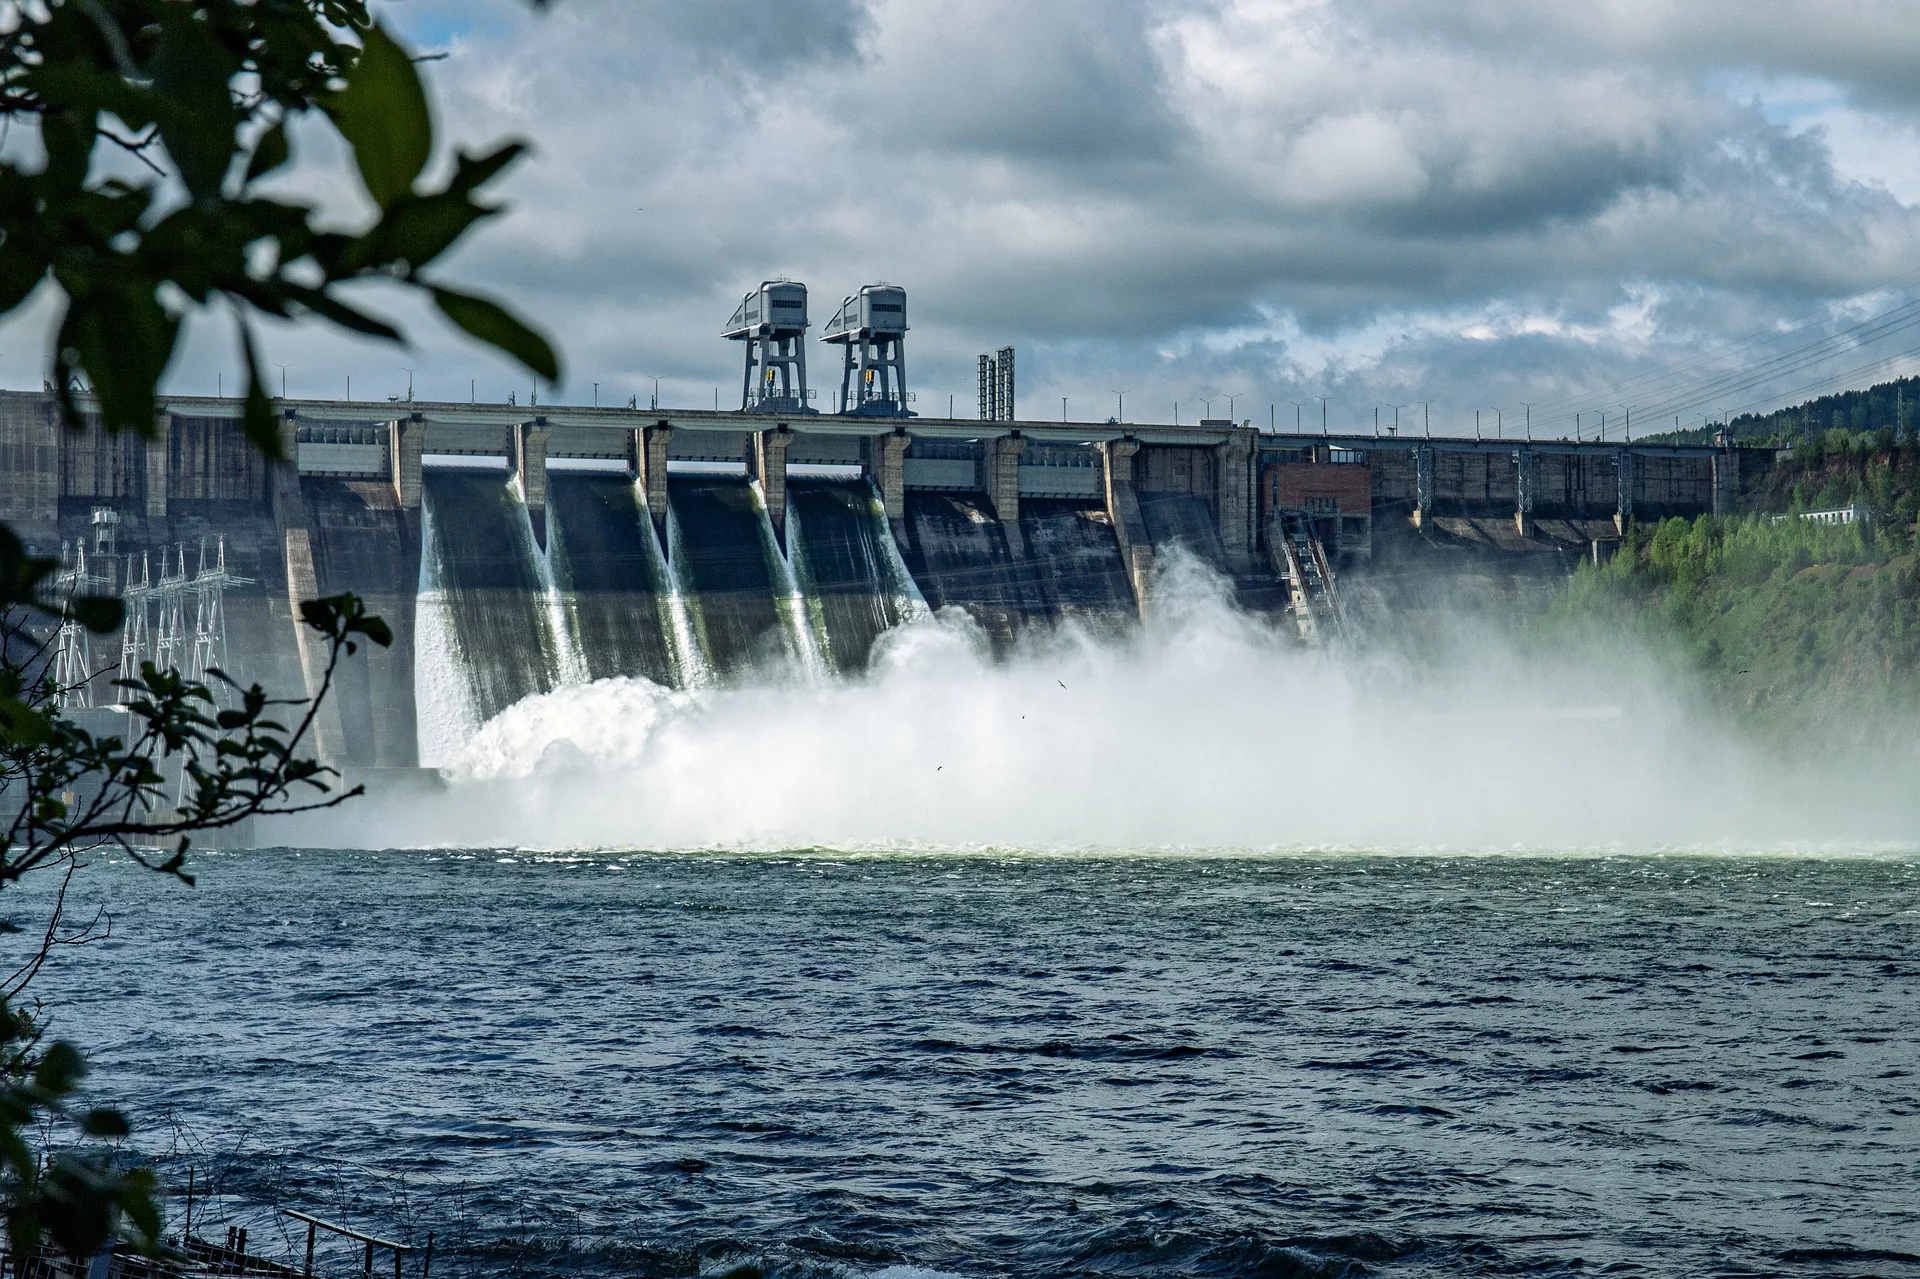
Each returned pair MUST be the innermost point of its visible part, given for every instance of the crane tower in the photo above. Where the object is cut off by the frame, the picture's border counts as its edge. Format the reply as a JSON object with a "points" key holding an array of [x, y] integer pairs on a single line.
{"points": [[772, 321], [872, 326]]}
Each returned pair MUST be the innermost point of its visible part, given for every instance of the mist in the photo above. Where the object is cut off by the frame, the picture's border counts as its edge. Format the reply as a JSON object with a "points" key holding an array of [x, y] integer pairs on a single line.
{"points": [[1205, 728]]}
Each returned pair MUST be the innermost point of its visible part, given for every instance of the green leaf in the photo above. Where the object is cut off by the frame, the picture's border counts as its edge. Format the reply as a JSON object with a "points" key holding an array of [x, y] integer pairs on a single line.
{"points": [[270, 152], [257, 419], [122, 338], [374, 629], [105, 1123], [498, 327], [382, 113], [98, 613]]}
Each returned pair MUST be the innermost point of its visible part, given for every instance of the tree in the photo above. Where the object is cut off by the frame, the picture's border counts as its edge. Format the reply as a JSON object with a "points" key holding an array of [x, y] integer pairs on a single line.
{"points": [[162, 125]]}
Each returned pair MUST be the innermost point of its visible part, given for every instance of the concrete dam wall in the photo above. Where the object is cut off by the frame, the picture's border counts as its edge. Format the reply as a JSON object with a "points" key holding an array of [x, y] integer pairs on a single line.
{"points": [[514, 554]]}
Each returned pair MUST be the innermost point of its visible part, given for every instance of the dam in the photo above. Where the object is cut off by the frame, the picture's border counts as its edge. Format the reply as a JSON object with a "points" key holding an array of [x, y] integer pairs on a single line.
{"points": [[514, 550]]}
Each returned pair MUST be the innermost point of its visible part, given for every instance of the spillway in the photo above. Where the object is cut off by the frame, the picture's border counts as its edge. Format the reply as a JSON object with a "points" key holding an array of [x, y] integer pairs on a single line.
{"points": [[958, 554], [613, 586], [722, 554], [361, 541], [848, 572], [481, 567], [1078, 559], [1186, 521]]}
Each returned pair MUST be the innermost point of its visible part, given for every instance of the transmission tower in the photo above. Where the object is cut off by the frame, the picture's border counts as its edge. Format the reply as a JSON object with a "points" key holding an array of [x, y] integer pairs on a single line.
{"points": [[210, 619], [136, 599]]}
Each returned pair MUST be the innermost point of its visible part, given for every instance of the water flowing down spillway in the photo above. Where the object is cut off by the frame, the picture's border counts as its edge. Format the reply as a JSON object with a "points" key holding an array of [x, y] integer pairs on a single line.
{"points": [[1078, 558], [612, 582], [959, 556], [481, 567], [1182, 519], [849, 572], [722, 555]]}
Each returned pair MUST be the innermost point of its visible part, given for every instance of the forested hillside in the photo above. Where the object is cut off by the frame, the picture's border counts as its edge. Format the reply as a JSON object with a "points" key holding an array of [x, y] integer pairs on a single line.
{"points": [[1800, 625]]}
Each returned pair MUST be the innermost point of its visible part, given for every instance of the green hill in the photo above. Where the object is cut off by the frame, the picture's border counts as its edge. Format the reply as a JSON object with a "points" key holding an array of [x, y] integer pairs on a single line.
{"points": [[1801, 626]]}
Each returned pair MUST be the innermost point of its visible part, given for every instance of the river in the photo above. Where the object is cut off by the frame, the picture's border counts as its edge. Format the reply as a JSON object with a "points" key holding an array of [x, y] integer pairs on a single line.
{"points": [[814, 1063]]}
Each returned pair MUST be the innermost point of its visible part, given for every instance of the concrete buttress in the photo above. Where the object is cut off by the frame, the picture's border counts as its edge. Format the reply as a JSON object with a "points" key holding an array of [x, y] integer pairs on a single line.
{"points": [[1123, 511], [405, 438], [1234, 501], [1003, 486], [530, 464], [767, 462], [329, 739], [887, 461]]}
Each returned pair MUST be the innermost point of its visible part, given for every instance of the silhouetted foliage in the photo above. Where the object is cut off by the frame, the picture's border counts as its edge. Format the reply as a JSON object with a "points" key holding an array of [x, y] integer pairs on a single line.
{"points": [[162, 130]]}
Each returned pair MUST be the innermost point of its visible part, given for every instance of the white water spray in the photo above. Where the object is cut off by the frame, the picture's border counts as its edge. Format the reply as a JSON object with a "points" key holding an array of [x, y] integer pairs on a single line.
{"points": [[689, 663], [696, 671], [788, 598], [1205, 728], [443, 701]]}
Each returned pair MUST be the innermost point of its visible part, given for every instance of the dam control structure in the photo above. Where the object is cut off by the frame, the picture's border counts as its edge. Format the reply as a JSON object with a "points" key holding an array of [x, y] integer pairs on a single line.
{"points": [[515, 550]]}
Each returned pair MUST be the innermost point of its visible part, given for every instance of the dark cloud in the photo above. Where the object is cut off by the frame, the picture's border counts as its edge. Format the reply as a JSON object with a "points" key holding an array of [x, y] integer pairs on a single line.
{"points": [[1385, 200]]}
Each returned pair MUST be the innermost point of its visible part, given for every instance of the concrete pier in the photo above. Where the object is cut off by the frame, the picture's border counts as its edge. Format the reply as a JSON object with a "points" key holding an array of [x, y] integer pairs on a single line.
{"points": [[405, 440], [887, 464], [530, 465], [1123, 511], [767, 462], [1003, 486]]}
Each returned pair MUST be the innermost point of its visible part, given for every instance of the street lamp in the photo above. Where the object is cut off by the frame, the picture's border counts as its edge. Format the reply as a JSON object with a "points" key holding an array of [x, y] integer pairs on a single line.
{"points": [[1629, 422], [1426, 415], [1499, 426], [1529, 409], [1297, 405], [1396, 417], [1323, 411], [1230, 399], [1123, 405], [283, 380]]}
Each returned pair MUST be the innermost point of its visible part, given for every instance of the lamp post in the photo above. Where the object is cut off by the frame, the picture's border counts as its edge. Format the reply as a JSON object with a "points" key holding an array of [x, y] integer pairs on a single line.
{"points": [[1123, 405], [1297, 406], [283, 380], [1426, 415], [1323, 411], [1396, 418], [1230, 399], [1529, 409], [1499, 426], [1629, 422]]}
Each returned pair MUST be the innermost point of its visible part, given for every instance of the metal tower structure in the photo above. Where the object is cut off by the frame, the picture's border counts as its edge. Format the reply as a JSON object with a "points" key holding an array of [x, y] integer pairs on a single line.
{"points": [[210, 619], [155, 625], [996, 386], [72, 647], [72, 668], [872, 326], [136, 598], [772, 321]]}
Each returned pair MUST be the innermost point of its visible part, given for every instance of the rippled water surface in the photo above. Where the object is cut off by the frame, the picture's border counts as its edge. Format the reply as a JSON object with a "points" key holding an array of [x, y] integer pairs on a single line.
{"points": [[817, 1064]]}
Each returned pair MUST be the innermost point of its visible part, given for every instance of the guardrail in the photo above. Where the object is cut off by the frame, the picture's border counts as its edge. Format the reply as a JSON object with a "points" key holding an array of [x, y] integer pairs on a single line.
{"points": [[399, 1250]]}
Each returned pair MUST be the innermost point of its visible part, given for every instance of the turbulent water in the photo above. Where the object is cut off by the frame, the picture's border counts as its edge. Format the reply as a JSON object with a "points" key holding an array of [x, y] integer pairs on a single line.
{"points": [[819, 1064]]}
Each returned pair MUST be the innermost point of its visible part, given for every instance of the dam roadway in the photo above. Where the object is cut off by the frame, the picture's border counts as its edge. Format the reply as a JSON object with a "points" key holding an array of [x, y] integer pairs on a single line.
{"points": [[518, 549]]}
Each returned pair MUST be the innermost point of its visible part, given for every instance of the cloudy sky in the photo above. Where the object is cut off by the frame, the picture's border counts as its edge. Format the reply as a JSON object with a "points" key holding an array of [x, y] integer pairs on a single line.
{"points": [[1476, 204]]}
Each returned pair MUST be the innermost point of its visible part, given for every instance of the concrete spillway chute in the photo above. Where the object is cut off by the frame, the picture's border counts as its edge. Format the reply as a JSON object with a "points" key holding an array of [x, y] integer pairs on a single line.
{"points": [[872, 326], [772, 321]]}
